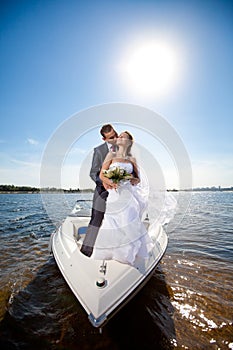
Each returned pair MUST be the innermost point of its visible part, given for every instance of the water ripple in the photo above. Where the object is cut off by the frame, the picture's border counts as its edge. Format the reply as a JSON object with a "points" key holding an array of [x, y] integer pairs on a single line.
{"points": [[187, 304]]}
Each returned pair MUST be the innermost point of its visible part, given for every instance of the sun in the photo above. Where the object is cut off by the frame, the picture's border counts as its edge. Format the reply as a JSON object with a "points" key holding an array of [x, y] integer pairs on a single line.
{"points": [[150, 69]]}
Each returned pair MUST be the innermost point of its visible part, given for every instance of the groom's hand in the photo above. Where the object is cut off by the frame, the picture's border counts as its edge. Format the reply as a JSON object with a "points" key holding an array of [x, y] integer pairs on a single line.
{"points": [[134, 181], [109, 186]]}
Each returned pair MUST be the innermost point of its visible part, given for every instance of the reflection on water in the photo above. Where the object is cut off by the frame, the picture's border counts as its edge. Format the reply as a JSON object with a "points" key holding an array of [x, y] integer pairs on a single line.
{"points": [[187, 304], [47, 315], [201, 294]]}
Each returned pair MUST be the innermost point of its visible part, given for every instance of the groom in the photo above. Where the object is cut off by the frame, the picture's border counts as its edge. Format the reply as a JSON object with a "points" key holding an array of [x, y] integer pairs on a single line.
{"points": [[109, 135]]}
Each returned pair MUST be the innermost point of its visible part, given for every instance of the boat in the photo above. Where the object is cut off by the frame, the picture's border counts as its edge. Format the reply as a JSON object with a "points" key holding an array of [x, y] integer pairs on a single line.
{"points": [[101, 286]]}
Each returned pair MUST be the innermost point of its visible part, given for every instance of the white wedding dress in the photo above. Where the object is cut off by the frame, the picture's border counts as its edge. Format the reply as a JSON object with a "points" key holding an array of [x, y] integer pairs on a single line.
{"points": [[122, 235]]}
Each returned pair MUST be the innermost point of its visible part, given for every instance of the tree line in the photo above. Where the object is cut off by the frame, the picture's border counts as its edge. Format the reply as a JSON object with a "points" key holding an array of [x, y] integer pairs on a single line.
{"points": [[26, 189], [13, 188]]}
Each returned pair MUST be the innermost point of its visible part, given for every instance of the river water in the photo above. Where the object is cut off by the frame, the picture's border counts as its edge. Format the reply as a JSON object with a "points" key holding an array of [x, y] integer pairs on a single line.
{"points": [[187, 304]]}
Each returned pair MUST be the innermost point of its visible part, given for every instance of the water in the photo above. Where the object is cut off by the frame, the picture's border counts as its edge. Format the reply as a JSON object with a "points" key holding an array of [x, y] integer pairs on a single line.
{"points": [[187, 304]]}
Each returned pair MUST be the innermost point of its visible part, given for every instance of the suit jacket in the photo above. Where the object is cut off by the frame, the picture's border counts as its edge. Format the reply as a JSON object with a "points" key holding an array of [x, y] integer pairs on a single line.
{"points": [[99, 155]]}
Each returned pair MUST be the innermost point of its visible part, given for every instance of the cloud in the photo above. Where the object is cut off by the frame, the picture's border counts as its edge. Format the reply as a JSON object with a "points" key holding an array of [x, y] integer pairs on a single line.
{"points": [[32, 141], [24, 163], [77, 151]]}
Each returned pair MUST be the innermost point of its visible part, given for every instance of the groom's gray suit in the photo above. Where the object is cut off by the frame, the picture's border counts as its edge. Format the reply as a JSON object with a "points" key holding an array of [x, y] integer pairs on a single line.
{"points": [[99, 199], [99, 155]]}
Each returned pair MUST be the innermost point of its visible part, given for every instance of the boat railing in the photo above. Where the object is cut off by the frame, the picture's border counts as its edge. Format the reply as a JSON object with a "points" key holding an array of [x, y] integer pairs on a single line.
{"points": [[82, 208]]}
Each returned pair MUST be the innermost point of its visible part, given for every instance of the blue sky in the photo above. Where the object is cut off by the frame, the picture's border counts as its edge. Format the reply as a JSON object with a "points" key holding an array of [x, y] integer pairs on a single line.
{"points": [[60, 57]]}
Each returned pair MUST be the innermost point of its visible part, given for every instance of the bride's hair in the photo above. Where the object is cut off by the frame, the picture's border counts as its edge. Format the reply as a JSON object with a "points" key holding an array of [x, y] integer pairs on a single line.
{"points": [[128, 151]]}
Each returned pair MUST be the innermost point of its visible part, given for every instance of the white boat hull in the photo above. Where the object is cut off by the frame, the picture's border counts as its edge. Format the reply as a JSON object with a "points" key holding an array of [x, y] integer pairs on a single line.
{"points": [[101, 287]]}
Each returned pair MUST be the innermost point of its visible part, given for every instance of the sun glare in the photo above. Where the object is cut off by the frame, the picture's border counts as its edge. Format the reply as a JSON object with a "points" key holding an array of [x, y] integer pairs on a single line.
{"points": [[150, 69]]}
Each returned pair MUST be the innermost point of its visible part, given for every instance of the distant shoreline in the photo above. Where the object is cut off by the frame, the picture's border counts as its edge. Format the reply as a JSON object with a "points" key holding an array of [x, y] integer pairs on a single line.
{"points": [[11, 189], [40, 192], [8, 189], [204, 189], [45, 192]]}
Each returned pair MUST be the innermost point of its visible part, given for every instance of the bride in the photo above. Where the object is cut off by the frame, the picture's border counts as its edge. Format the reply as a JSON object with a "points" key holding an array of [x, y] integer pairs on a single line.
{"points": [[123, 236]]}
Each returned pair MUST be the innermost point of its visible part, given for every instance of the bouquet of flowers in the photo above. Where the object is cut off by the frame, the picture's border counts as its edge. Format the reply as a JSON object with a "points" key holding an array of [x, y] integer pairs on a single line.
{"points": [[117, 174]]}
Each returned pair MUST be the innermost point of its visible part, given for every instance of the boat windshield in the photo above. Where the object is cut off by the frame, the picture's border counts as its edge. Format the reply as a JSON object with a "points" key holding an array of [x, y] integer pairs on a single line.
{"points": [[82, 208]]}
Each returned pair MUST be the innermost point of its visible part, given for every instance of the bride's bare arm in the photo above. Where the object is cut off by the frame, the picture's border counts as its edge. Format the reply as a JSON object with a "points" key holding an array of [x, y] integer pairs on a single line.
{"points": [[135, 179]]}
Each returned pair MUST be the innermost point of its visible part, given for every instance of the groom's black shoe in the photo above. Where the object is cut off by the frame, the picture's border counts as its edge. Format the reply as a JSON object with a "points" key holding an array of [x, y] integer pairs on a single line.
{"points": [[86, 250]]}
